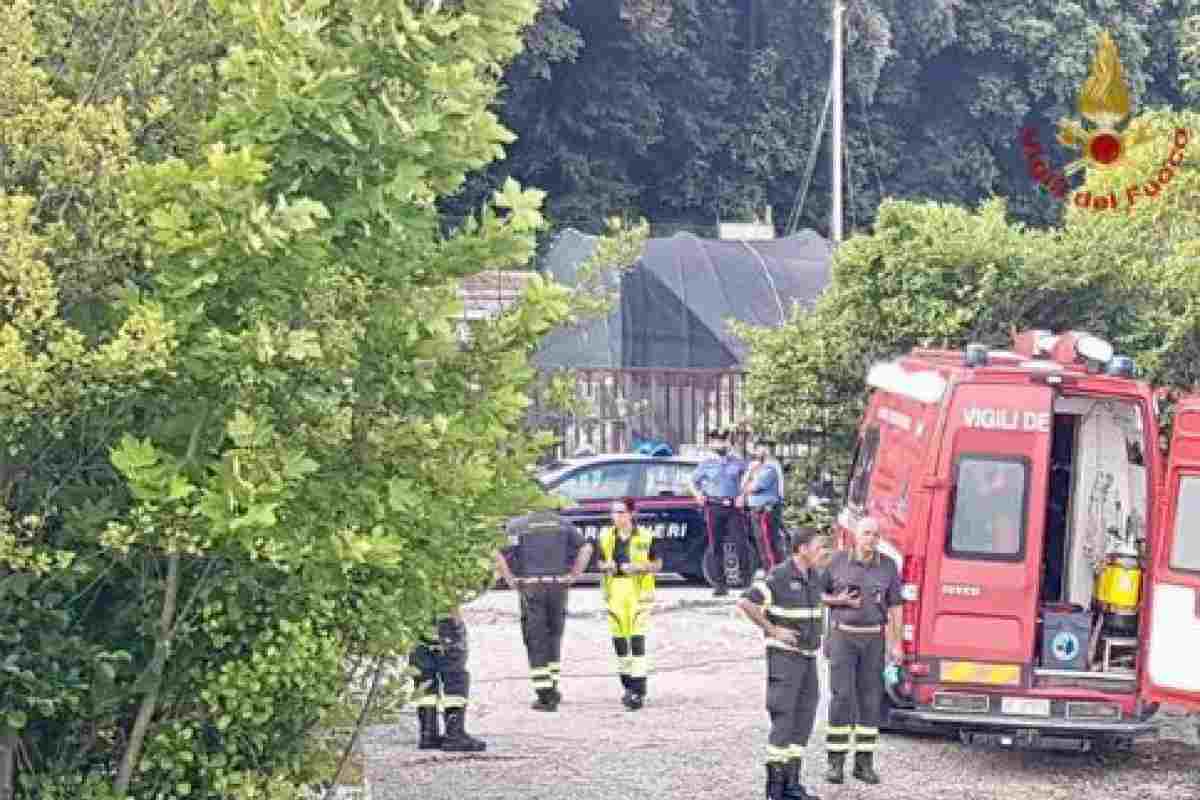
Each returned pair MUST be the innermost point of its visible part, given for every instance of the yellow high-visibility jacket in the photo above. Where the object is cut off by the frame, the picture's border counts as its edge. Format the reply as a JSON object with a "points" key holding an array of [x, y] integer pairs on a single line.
{"points": [[639, 553]]}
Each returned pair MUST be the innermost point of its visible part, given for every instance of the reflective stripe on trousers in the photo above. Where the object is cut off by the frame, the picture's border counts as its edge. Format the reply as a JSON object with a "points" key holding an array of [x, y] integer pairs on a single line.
{"points": [[855, 681], [543, 620], [793, 691]]}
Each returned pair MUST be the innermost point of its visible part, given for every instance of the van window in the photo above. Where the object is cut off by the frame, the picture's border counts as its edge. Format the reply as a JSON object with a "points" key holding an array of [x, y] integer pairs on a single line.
{"points": [[1185, 552], [989, 508], [864, 465]]}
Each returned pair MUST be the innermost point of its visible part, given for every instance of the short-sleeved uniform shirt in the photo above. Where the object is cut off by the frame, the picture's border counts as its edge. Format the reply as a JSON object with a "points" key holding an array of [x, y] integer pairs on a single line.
{"points": [[877, 579], [541, 544], [720, 477]]}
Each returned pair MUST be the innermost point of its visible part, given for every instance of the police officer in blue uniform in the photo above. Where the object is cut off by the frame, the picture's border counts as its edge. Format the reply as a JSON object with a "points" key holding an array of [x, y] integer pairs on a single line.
{"points": [[718, 482], [762, 495], [542, 546]]}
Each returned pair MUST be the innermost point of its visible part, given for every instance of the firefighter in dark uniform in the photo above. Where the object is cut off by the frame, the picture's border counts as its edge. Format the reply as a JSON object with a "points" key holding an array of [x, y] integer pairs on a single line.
{"points": [[443, 682], [542, 547], [786, 604], [862, 590], [718, 483]]}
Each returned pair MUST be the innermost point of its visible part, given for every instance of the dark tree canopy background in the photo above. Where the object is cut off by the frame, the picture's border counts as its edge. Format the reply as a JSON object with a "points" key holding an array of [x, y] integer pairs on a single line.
{"points": [[686, 110]]}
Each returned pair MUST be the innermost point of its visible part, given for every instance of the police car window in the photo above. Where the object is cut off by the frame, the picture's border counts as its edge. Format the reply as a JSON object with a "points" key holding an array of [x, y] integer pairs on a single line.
{"points": [[603, 481], [989, 508], [670, 479], [864, 465], [1185, 550]]}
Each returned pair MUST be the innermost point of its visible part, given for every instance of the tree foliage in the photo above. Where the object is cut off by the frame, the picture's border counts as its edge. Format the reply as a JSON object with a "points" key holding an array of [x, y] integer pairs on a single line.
{"points": [[934, 274], [713, 109], [245, 442]]}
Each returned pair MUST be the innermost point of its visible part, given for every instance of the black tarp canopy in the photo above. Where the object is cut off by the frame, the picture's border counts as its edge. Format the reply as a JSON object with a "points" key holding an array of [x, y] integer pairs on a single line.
{"points": [[674, 303]]}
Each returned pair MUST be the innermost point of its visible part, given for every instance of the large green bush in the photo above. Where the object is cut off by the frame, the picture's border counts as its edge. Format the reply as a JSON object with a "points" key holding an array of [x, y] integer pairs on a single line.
{"points": [[931, 274], [245, 447]]}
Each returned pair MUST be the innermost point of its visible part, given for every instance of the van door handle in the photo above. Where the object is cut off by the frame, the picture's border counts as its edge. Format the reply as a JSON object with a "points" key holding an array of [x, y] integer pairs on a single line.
{"points": [[936, 483]]}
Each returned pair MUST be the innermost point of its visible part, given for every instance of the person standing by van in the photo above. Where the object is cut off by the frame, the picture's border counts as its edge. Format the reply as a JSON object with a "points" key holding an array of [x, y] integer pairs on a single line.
{"points": [[762, 494], [862, 590], [718, 483], [787, 607]]}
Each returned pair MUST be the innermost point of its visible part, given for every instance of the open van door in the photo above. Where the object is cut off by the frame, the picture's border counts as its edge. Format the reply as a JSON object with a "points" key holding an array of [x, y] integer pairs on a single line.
{"points": [[980, 599], [1174, 577]]}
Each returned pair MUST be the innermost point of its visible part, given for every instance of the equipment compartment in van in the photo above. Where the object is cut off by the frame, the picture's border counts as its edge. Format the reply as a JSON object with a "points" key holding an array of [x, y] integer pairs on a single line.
{"points": [[1095, 536]]}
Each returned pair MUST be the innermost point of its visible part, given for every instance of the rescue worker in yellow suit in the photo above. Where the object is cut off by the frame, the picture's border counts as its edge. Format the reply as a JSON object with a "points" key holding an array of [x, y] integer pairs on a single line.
{"points": [[629, 560]]}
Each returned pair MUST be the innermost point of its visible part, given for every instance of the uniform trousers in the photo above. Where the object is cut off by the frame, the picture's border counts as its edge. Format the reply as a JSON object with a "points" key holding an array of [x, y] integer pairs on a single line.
{"points": [[543, 620], [725, 523], [629, 622], [443, 681], [856, 663], [793, 692], [767, 523]]}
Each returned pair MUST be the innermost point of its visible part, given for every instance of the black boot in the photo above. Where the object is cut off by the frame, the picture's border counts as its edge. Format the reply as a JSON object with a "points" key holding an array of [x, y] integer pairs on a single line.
{"points": [[547, 700], [627, 695], [427, 722], [864, 768], [837, 768], [720, 590], [636, 696], [776, 781], [457, 740], [793, 789]]}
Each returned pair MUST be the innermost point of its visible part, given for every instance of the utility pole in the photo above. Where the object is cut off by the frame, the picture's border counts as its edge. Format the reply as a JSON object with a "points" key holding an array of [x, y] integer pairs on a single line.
{"points": [[835, 82]]}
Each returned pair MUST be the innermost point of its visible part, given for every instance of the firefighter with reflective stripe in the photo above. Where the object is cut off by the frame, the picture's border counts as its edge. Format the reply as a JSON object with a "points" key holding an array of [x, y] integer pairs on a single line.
{"points": [[787, 606], [762, 494], [542, 546], [862, 590], [629, 560], [443, 682]]}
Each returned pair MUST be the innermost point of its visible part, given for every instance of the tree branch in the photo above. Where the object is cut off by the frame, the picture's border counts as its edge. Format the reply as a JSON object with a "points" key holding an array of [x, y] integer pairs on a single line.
{"points": [[8, 762], [162, 648], [362, 718]]}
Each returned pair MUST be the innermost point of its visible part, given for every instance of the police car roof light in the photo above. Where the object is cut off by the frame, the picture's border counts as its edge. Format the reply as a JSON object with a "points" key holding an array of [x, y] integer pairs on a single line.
{"points": [[1120, 367], [976, 355]]}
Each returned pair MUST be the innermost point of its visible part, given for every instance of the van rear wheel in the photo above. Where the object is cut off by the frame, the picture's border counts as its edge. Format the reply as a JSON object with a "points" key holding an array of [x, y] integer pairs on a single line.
{"points": [[1113, 744]]}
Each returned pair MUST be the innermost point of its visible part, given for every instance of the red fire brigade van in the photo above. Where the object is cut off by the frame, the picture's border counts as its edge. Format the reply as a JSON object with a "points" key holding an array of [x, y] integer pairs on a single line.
{"points": [[1047, 537]]}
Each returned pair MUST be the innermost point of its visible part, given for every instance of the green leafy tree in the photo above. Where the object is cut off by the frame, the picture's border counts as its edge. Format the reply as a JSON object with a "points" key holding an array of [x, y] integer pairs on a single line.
{"points": [[713, 109], [248, 442], [932, 274]]}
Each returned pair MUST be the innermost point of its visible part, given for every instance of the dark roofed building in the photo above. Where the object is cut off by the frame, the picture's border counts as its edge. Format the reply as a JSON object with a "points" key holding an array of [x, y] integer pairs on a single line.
{"points": [[675, 302]]}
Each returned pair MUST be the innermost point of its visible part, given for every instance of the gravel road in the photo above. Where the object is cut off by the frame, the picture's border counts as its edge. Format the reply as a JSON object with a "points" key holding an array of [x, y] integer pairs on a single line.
{"points": [[702, 734]]}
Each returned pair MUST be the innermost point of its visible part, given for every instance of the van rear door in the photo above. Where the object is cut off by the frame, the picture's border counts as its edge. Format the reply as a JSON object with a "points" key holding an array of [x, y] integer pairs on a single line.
{"points": [[1173, 628], [980, 595]]}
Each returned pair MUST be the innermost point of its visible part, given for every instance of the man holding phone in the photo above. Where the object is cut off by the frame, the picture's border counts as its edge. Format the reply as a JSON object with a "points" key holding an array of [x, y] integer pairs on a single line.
{"points": [[862, 590]]}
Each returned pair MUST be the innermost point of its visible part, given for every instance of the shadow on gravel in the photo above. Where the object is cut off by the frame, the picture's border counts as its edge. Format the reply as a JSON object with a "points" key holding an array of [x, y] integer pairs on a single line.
{"points": [[1163, 755]]}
